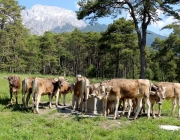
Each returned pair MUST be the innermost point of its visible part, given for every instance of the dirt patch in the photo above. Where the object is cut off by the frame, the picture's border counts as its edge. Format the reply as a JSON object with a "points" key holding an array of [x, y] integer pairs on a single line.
{"points": [[107, 125]]}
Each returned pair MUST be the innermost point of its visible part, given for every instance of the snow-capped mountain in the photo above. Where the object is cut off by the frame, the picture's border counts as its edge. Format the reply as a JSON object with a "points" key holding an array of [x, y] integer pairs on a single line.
{"points": [[46, 18]]}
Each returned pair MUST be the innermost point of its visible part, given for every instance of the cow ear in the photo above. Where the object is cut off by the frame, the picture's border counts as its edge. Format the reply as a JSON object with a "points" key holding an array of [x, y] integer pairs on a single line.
{"points": [[56, 79], [152, 92]]}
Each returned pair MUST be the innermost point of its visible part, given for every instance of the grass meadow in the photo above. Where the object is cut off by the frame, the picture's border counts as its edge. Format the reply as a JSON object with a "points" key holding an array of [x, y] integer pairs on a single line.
{"points": [[52, 124]]}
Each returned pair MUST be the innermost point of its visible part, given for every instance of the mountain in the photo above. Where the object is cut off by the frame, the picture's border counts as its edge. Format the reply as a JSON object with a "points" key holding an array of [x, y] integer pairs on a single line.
{"points": [[50, 18], [44, 18], [95, 28], [151, 36]]}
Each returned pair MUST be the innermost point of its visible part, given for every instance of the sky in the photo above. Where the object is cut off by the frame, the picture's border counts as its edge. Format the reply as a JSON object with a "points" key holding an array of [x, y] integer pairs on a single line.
{"points": [[72, 5]]}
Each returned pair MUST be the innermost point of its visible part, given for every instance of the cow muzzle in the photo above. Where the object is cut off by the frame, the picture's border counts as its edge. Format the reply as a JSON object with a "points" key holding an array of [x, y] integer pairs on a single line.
{"points": [[93, 95], [99, 97], [14, 90], [160, 103]]}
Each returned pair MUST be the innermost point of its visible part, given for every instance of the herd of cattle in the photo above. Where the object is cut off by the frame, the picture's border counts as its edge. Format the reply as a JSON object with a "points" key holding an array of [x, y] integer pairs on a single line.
{"points": [[134, 94]]}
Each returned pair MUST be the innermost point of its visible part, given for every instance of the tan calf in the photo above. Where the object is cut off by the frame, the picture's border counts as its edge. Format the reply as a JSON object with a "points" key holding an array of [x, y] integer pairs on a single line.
{"points": [[45, 86], [172, 92], [81, 93]]}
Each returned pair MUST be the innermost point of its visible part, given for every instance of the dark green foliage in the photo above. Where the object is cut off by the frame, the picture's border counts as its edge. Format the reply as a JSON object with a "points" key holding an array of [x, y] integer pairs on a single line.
{"points": [[108, 54], [141, 12], [119, 40]]}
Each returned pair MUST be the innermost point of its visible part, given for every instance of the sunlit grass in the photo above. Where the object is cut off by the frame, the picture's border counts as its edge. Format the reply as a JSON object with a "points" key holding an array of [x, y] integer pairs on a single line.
{"points": [[16, 123]]}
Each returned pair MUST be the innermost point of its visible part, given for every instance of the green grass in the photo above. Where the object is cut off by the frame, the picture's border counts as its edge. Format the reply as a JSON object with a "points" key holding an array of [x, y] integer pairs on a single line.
{"points": [[19, 124]]}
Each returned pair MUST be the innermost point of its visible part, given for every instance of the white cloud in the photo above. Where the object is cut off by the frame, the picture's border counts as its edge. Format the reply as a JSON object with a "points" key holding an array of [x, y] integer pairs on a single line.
{"points": [[164, 22]]}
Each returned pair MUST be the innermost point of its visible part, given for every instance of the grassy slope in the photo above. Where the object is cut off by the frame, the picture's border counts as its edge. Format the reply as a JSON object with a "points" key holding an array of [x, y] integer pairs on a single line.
{"points": [[16, 123]]}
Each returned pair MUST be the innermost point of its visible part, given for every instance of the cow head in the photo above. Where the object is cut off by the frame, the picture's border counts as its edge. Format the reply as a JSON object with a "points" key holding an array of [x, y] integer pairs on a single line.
{"points": [[79, 78], [71, 87], [101, 91], [14, 83], [158, 91]]}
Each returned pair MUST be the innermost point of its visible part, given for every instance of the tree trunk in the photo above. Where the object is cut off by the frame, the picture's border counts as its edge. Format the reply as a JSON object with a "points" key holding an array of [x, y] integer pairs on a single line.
{"points": [[142, 43], [142, 62]]}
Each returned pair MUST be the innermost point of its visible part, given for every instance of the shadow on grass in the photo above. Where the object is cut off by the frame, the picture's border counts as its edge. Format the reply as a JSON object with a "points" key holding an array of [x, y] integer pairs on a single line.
{"points": [[4, 101]]}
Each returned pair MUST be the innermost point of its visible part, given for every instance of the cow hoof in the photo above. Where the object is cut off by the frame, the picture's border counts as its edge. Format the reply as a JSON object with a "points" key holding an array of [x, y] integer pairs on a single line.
{"points": [[35, 112], [135, 118], [154, 117], [114, 118]]}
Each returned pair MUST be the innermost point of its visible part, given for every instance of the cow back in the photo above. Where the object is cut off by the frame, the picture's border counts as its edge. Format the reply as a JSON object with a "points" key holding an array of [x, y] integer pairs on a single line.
{"points": [[124, 88]]}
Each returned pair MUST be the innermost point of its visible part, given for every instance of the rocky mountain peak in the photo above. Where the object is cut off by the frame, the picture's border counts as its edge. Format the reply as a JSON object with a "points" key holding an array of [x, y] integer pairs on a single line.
{"points": [[45, 18]]}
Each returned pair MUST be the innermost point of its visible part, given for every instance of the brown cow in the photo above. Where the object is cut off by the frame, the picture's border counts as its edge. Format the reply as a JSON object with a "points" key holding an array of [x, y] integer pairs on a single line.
{"points": [[129, 89], [45, 86], [26, 88], [157, 97], [172, 92], [81, 93], [14, 86], [65, 89]]}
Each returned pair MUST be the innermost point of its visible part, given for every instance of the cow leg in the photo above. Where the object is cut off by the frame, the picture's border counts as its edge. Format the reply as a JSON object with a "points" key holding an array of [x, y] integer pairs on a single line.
{"points": [[116, 107], [79, 103], [152, 108], [33, 101], [37, 103], [124, 106], [59, 99], [73, 102], [64, 95], [143, 106], [85, 103], [134, 105], [85, 100], [178, 101], [159, 110], [104, 106], [147, 101], [27, 99], [130, 107], [139, 105], [50, 100], [23, 99], [16, 96], [173, 105], [81, 100]]}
